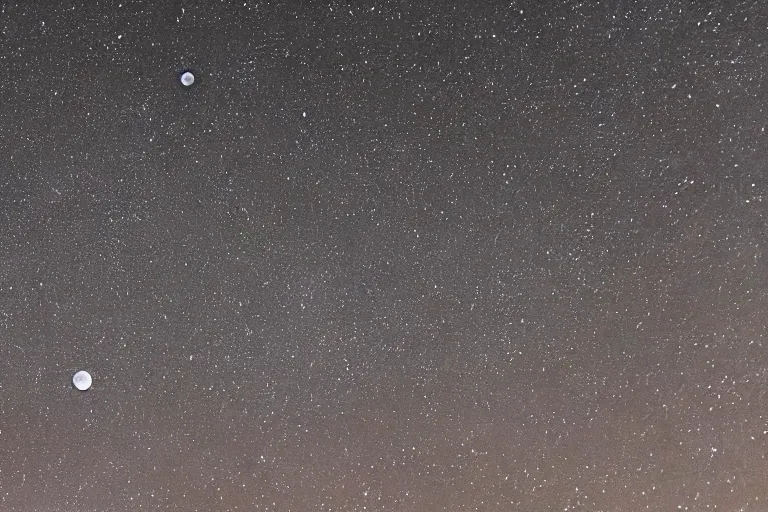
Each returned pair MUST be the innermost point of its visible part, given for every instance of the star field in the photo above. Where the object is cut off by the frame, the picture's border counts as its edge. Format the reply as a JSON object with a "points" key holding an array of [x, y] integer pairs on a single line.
{"points": [[388, 256]]}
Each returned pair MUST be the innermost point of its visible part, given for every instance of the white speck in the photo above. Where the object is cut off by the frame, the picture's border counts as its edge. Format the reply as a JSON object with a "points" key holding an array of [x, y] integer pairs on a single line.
{"points": [[674, 85], [304, 114], [82, 380], [187, 79], [120, 36]]}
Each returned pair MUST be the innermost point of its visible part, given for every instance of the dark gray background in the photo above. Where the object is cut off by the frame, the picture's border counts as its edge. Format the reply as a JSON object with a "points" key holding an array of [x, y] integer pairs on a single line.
{"points": [[384, 257]]}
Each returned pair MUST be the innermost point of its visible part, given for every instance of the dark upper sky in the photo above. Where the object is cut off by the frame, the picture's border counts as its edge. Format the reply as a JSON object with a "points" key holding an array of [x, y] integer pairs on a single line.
{"points": [[450, 257]]}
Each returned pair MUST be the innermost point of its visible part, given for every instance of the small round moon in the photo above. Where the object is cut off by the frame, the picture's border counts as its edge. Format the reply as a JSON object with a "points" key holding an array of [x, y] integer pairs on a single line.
{"points": [[82, 380], [187, 79]]}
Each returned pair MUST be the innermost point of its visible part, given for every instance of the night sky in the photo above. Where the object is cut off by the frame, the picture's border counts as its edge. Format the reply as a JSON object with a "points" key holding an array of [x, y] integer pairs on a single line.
{"points": [[384, 257]]}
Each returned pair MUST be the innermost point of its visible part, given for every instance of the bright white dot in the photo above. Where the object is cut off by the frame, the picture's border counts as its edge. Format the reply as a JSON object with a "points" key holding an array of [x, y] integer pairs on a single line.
{"points": [[82, 380], [187, 79]]}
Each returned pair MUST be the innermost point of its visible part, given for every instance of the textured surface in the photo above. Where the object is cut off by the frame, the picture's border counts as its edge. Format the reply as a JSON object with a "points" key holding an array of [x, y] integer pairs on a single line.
{"points": [[390, 258]]}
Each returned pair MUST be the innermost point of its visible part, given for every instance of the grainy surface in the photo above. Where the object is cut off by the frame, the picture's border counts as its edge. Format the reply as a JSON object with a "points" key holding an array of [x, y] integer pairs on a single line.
{"points": [[479, 256]]}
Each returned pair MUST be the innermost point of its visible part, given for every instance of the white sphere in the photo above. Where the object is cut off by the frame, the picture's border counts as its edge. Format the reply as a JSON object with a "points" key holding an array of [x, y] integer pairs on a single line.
{"points": [[187, 79], [82, 380]]}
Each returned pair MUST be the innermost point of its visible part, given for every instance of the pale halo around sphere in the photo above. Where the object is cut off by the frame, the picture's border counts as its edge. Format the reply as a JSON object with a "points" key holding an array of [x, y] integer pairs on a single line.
{"points": [[187, 79], [82, 380]]}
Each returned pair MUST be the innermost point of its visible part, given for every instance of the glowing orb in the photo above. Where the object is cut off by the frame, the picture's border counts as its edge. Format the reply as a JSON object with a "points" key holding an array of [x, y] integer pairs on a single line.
{"points": [[82, 380], [187, 79]]}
